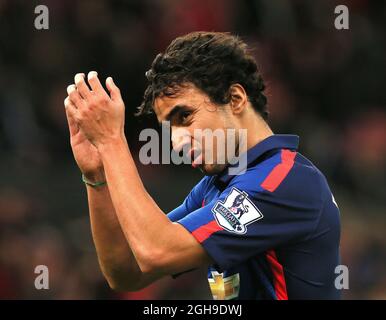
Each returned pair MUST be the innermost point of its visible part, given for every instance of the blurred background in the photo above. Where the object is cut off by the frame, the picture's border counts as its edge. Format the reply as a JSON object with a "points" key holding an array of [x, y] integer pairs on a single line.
{"points": [[326, 85]]}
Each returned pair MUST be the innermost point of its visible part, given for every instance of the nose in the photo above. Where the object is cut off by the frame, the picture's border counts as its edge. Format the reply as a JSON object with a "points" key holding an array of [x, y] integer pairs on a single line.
{"points": [[180, 137]]}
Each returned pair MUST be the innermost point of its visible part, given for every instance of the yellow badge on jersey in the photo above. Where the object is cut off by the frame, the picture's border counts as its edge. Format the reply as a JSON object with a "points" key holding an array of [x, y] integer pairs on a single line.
{"points": [[224, 288]]}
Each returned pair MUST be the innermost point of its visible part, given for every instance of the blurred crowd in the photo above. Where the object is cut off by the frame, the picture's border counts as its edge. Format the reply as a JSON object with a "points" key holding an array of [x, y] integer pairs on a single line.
{"points": [[324, 84]]}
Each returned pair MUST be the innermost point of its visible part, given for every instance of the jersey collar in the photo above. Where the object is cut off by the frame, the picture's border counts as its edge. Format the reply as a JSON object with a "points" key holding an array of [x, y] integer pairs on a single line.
{"points": [[276, 141]]}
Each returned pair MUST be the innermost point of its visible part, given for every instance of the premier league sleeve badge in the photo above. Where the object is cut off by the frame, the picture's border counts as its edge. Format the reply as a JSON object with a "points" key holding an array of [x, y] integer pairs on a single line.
{"points": [[236, 211]]}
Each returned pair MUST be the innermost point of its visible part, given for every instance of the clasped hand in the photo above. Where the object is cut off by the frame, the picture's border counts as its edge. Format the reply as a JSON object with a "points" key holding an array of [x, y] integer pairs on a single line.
{"points": [[99, 115]]}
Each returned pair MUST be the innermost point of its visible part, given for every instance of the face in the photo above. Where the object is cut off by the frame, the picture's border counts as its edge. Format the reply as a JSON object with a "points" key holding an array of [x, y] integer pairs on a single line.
{"points": [[189, 112]]}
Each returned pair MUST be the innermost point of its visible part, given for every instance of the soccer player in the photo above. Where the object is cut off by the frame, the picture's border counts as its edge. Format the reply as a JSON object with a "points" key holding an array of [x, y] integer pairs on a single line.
{"points": [[271, 232]]}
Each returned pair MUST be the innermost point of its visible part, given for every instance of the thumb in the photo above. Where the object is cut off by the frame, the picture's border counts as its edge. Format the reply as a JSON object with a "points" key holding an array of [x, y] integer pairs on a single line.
{"points": [[115, 93], [72, 124]]}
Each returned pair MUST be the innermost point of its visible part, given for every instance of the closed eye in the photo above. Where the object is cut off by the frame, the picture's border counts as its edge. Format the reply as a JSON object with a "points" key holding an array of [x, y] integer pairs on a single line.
{"points": [[180, 115], [185, 116]]}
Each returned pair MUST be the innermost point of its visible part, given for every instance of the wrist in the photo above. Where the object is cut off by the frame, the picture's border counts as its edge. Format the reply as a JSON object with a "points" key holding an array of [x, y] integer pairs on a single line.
{"points": [[111, 145], [93, 184], [94, 177]]}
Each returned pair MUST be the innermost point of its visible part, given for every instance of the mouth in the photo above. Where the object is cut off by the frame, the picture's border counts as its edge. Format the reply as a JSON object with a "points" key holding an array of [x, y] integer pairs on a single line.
{"points": [[196, 157]]}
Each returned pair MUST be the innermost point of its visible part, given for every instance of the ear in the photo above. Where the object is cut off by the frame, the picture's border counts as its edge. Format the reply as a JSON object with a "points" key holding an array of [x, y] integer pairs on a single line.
{"points": [[239, 98]]}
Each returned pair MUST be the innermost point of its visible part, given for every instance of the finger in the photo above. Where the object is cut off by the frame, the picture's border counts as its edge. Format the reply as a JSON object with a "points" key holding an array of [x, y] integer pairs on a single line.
{"points": [[82, 86], [115, 93], [94, 82], [70, 114], [74, 96]]}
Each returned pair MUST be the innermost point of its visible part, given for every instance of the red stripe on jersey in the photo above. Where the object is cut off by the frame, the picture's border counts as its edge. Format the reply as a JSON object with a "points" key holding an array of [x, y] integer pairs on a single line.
{"points": [[278, 276], [205, 231], [280, 171]]}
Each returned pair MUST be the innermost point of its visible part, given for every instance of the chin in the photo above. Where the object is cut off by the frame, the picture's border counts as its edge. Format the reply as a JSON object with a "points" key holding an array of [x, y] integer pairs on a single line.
{"points": [[212, 169]]}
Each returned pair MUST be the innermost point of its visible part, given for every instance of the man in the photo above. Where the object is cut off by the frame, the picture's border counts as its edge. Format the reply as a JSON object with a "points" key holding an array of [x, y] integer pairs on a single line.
{"points": [[271, 232]]}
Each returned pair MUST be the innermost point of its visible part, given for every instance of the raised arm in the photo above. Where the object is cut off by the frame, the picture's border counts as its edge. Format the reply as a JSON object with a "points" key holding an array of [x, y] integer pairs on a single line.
{"points": [[114, 254], [159, 246]]}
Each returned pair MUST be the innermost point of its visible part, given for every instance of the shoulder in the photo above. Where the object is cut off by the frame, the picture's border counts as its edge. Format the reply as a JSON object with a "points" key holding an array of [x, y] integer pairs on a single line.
{"points": [[285, 177]]}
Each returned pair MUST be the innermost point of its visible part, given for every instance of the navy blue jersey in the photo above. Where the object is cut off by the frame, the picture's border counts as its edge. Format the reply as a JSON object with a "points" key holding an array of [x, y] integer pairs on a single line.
{"points": [[273, 231]]}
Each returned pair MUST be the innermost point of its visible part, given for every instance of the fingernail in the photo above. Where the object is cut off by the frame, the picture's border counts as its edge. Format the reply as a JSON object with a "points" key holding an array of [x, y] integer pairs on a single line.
{"points": [[92, 73], [78, 76]]}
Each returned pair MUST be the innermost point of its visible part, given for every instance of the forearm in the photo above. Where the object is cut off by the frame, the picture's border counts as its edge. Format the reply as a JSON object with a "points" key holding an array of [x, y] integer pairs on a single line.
{"points": [[146, 227], [160, 246], [114, 254]]}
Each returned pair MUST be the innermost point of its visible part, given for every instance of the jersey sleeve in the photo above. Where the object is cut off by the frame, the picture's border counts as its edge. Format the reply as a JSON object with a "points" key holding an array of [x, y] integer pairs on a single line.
{"points": [[192, 202], [245, 221]]}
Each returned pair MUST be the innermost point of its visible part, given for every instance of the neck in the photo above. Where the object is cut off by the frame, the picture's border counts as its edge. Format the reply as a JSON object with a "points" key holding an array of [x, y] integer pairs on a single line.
{"points": [[257, 130]]}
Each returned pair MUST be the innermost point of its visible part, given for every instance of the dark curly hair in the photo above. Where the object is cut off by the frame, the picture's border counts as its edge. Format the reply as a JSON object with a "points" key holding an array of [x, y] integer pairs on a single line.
{"points": [[212, 61]]}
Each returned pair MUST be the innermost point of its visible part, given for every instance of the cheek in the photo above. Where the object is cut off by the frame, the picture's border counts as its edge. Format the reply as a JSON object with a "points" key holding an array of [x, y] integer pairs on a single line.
{"points": [[206, 120], [210, 121]]}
